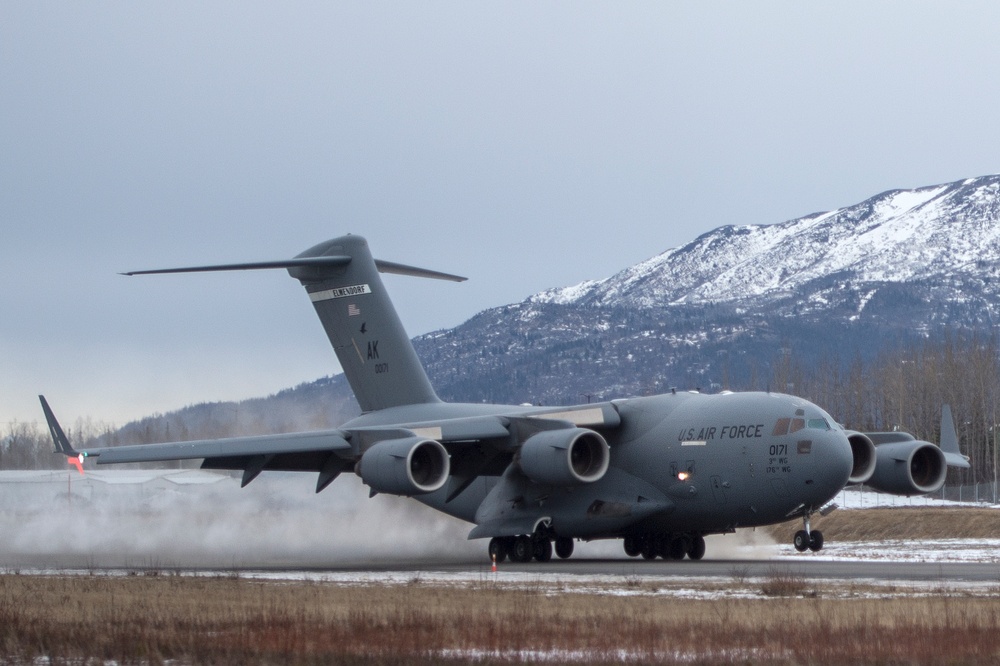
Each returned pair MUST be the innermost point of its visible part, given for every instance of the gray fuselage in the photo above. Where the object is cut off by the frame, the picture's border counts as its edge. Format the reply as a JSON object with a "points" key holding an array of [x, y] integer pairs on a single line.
{"points": [[680, 462]]}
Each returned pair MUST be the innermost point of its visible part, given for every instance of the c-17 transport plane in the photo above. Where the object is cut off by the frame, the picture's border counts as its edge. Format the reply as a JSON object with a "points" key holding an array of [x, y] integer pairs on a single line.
{"points": [[658, 472]]}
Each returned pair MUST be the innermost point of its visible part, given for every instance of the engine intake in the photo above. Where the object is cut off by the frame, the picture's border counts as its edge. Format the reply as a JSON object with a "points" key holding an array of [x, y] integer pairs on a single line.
{"points": [[863, 452], [908, 468], [409, 466], [567, 457]]}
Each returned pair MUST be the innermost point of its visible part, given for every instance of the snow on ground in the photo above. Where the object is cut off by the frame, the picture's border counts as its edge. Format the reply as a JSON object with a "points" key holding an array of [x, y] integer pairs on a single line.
{"points": [[942, 550]]}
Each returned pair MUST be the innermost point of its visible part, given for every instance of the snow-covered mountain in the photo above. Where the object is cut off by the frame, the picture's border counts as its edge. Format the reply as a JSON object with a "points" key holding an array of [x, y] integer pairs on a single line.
{"points": [[723, 309], [944, 238]]}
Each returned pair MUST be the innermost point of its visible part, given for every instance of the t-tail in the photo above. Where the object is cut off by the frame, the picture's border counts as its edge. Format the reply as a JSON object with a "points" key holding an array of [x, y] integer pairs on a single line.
{"points": [[343, 283]]}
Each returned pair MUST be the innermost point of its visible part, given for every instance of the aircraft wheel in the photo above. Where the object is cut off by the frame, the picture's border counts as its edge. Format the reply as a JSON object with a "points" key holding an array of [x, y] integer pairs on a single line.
{"points": [[801, 541], [542, 550], [564, 547], [696, 549], [633, 547], [815, 541], [523, 549], [663, 545], [498, 549], [677, 548], [649, 549]]}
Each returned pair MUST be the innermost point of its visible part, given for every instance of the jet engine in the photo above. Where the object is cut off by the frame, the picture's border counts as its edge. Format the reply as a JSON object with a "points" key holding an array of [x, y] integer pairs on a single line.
{"points": [[908, 468], [863, 452], [566, 457], [409, 466]]}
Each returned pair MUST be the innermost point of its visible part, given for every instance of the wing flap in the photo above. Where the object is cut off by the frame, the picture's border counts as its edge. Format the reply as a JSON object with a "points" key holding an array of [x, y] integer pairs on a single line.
{"points": [[596, 415], [471, 428]]}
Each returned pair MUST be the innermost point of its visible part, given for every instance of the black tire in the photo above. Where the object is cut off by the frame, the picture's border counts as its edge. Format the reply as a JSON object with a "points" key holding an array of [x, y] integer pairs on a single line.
{"points": [[649, 549], [542, 550], [696, 549], [801, 541], [677, 548], [633, 546], [498, 549], [523, 549], [564, 547], [815, 541]]}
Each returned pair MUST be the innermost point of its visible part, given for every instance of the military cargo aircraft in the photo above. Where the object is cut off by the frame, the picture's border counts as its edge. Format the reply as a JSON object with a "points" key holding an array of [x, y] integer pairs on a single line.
{"points": [[660, 473]]}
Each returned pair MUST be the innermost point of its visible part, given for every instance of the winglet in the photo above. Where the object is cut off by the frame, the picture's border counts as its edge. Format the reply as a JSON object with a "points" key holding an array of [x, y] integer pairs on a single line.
{"points": [[949, 440], [58, 436]]}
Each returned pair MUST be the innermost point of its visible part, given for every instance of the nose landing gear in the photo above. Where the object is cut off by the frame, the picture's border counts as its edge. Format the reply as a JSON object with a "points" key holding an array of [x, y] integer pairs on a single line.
{"points": [[808, 538]]}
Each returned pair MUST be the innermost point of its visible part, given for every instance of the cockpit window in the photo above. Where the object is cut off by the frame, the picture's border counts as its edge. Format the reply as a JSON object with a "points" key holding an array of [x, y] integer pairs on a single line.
{"points": [[787, 426], [818, 424]]}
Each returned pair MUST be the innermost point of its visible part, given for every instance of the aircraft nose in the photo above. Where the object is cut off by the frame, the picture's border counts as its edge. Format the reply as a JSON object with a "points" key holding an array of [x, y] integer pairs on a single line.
{"points": [[831, 463]]}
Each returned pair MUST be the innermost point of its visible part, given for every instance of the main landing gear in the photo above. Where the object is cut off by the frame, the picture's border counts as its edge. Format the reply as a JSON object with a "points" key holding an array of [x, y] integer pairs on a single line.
{"points": [[667, 546], [525, 548], [808, 538]]}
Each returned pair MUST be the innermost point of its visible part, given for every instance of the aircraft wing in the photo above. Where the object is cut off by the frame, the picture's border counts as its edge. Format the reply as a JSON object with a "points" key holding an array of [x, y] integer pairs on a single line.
{"points": [[478, 428], [326, 451], [476, 445], [231, 447]]}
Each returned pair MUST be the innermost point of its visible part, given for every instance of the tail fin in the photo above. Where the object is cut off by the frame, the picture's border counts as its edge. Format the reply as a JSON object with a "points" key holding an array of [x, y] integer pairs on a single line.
{"points": [[363, 327], [949, 440], [343, 282]]}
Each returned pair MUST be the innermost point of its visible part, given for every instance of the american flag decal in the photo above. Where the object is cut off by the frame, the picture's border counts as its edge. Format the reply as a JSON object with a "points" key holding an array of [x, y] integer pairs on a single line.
{"points": [[353, 310]]}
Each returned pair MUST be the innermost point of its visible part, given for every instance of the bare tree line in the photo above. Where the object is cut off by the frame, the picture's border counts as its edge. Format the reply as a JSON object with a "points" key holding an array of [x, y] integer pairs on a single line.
{"points": [[904, 388], [27, 445]]}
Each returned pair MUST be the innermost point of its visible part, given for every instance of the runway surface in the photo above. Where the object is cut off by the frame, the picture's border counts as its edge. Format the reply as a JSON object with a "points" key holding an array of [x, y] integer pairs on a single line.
{"points": [[981, 572], [586, 569]]}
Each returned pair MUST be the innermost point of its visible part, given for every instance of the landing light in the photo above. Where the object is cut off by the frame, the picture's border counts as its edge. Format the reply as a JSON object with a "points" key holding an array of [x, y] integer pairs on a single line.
{"points": [[683, 476]]}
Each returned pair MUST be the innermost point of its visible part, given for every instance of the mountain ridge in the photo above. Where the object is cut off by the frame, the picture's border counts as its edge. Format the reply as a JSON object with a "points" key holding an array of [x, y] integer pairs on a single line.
{"points": [[869, 243]]}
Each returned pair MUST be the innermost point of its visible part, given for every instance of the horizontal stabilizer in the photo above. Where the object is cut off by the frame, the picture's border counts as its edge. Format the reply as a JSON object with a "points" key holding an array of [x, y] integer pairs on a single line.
{"points": [[298, 262], [306, 262], [413, 271]]}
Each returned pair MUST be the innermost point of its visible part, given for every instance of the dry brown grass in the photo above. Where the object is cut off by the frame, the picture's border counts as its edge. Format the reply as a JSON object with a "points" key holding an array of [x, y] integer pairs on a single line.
{"points": [[901, 523], [150, 619]]}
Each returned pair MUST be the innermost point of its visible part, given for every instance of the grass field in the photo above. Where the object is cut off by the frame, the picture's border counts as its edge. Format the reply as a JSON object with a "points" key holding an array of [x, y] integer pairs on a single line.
{"points": [[952, 522], [154, 617]]}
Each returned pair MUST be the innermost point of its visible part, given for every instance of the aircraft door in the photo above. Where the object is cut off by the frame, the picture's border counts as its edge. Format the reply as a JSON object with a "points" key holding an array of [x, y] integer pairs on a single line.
{"points": [[719, 489]]}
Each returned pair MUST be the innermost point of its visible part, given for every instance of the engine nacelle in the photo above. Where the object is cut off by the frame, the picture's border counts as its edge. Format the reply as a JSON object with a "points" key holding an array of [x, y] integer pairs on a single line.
{"points": [[908, 468], [567, 457], [409, 466], [863, 452]]}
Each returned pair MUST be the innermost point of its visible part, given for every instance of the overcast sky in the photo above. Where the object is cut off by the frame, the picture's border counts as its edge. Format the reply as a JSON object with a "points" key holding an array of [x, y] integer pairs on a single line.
{"points": [[525, 145]]}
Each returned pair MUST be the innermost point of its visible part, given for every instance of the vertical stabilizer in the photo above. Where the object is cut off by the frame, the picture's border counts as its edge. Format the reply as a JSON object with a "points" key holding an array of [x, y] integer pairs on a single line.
{"points": [[364, 329], [949, 440]]}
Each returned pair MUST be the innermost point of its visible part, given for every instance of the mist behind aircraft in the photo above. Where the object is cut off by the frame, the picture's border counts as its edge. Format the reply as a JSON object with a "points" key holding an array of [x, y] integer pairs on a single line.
{"points": [[142, 519]]}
